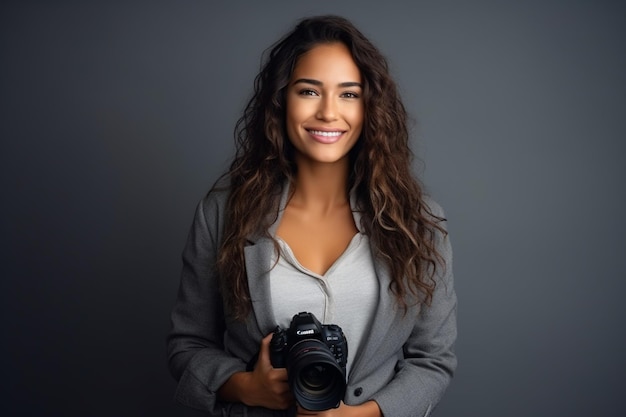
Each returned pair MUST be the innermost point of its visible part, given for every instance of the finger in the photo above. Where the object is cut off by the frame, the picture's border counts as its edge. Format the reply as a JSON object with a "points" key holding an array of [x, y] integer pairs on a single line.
{"points": [[280, 374], [264, 350], [266, 340]]}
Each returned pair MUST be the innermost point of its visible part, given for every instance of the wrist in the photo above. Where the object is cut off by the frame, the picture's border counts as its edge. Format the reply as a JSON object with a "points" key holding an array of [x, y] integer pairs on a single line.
{"points": [[236, 388], [367, 409]]}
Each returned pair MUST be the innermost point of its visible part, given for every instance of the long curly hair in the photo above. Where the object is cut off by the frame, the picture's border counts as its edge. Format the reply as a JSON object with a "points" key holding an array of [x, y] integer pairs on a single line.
{"points": [[400, 226]]}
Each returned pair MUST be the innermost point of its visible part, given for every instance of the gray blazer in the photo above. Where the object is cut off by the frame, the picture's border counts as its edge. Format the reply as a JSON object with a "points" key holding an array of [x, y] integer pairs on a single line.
{"points": [[405, 365]]}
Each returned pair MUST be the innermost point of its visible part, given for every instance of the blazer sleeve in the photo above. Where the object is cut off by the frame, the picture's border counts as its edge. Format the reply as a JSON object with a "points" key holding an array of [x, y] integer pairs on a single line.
{"points": [[429, 361], [195, 345]]}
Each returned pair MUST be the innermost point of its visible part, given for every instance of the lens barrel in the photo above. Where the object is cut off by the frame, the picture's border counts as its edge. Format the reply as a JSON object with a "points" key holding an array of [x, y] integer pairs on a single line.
{"points": [[315, 378]]}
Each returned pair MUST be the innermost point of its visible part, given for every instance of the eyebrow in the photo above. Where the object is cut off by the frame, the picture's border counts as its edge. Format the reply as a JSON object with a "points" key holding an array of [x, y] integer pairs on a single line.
{"points": [[319, 83]]}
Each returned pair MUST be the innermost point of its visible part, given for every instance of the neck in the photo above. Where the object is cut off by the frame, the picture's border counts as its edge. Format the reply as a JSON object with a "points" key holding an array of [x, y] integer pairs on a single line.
{"points": [[321, 186]]}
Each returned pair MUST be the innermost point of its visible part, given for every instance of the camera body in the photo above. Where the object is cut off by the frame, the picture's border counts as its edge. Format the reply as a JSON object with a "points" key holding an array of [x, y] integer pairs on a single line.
{"points": [[305, 326], [315, 356]]}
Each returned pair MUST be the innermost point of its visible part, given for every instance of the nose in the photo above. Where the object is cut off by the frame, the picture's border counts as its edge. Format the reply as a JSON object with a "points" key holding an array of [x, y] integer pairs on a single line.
{"points": [[327, 110]]}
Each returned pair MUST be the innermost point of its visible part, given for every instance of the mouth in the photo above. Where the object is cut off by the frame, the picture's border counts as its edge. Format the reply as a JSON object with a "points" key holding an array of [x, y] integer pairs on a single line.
{"points": [[326, 136]]}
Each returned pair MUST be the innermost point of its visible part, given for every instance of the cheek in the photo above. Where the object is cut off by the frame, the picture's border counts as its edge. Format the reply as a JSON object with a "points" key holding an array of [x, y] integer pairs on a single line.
{"points": [[293, 113], [298, 112], [356, 117]]}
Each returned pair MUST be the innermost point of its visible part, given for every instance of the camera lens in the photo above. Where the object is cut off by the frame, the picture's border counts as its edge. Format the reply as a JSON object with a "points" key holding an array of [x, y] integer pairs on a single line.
{"points": [[315, 378]]}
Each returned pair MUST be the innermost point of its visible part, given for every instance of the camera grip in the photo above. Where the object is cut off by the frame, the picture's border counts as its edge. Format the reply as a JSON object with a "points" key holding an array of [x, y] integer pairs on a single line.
{"points": [[278, 348]]}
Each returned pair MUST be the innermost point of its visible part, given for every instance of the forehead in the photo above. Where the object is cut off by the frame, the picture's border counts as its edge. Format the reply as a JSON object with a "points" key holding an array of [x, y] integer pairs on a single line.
{"points": [[329, 63]]}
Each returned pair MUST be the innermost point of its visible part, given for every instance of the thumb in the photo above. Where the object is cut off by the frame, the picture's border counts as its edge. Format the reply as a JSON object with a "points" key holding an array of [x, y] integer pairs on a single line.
{"points": [[264, 350]]}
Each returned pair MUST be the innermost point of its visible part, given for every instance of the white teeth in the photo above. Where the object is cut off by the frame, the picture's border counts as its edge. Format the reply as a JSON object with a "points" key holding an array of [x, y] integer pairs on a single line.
{"points": [[322, 133]]}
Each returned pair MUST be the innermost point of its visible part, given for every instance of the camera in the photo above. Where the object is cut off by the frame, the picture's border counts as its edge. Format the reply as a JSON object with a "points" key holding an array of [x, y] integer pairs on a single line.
{"points": [[315, 356]]}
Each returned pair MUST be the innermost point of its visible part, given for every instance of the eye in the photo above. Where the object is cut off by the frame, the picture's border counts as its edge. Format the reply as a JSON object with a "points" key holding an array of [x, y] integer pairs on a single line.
{"points": [[307, 92], [349, 94]]}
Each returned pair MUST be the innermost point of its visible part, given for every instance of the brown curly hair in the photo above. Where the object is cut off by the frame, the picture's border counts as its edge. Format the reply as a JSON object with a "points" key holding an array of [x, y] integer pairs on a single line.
{"points": [[401, 227]]}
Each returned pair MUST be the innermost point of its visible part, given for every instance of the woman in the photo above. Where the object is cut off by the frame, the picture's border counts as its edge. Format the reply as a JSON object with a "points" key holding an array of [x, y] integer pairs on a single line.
{"points": [[319, 212]]}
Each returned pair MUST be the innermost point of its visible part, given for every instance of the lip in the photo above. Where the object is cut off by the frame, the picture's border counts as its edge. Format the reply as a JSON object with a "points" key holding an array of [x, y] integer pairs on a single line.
{"points": [[325, 136]]}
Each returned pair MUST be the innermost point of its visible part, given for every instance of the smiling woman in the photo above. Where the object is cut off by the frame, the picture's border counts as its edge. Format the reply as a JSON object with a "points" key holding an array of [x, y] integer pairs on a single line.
{"points": [[318, 219]]}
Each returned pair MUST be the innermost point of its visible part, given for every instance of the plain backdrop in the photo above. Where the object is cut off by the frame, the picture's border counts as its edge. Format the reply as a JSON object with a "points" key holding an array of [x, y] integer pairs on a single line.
{"points": [[117, 116]]}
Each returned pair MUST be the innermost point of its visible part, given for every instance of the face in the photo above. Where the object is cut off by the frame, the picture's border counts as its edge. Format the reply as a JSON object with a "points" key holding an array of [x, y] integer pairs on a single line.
{"points": [[324, 104]]}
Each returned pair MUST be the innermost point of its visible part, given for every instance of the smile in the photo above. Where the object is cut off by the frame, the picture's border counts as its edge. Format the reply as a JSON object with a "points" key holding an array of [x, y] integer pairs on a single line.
{"points": [[326, 134]]}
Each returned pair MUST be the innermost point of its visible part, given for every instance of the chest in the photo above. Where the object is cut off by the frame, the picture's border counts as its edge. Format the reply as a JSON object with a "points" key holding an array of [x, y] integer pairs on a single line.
{"points": [[317, 241]]}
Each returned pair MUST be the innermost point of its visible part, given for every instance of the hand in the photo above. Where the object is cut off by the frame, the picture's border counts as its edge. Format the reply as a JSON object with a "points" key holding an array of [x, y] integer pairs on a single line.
{"points": [[268, 386], [367, 409]]}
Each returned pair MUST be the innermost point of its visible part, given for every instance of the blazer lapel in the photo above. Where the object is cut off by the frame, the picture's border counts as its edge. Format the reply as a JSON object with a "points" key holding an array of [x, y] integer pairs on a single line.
{"points": [[258, 258], [386, 310], [382, 324]]}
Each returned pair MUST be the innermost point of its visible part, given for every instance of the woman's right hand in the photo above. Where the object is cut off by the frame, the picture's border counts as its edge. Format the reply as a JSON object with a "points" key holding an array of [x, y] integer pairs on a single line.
{"points": [[265, 386]]}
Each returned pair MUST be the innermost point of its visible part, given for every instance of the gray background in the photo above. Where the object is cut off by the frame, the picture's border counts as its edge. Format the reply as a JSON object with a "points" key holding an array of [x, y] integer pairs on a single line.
{"points": [[117, 116]]}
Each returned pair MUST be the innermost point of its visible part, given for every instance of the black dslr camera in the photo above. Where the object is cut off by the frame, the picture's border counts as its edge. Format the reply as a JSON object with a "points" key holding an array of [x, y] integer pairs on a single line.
{"points": [[315, 356]]}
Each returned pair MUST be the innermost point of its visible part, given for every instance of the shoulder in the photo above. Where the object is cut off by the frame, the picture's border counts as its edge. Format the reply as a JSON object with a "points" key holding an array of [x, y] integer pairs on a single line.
{"points": [[214, 202], [211, 209], [433, 209], [436, 216]]}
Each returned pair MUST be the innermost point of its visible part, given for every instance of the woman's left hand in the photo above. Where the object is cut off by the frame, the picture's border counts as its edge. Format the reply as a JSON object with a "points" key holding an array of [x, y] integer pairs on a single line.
{"points": [[367, 409]]}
